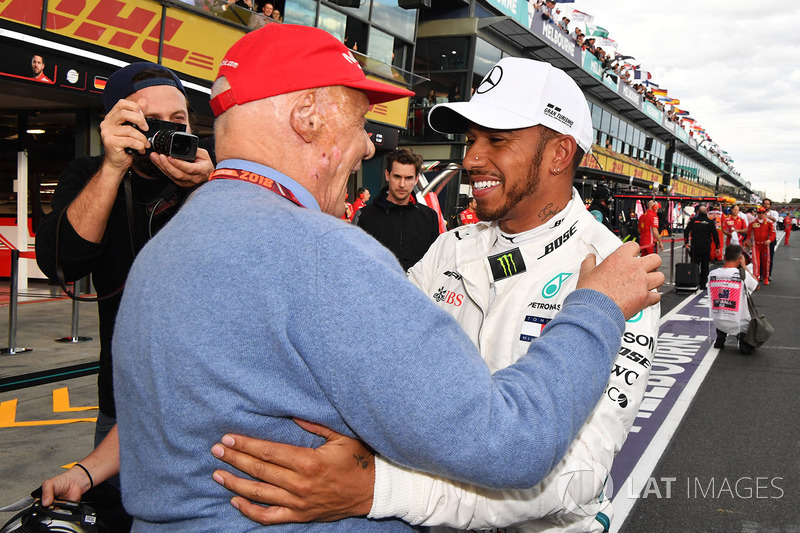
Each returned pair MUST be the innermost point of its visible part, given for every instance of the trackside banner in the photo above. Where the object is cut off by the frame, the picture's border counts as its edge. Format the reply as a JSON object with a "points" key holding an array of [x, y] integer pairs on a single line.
{"points": [[134, 28]]}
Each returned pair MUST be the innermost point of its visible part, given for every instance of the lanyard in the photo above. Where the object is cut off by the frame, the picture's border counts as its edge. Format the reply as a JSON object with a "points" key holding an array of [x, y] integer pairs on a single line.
{"points": [[258, 179]]}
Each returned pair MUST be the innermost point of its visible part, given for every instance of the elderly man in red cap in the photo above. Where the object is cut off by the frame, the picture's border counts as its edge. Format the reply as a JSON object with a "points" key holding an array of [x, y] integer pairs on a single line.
{"points": [[243, 327]]}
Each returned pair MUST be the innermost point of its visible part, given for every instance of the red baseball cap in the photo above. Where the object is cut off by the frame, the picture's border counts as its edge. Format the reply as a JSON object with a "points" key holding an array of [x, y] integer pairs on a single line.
{"points": [[282, 58]]}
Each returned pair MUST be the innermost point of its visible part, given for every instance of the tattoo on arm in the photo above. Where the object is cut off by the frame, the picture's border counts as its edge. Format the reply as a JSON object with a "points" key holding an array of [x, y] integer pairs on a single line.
{"points": [[548, 212], [361, 461]]}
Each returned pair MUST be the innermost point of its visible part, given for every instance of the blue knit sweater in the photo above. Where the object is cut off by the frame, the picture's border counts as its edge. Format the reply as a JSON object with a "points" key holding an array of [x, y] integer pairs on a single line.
{"points": [[238, 316]]}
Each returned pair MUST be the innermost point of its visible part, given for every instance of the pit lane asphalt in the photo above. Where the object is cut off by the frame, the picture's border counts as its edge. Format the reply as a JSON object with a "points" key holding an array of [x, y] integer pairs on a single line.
{"points": [[742, 427], [742, 423]]}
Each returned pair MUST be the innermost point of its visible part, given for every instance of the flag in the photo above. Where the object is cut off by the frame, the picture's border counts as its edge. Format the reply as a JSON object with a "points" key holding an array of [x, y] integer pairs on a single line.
{"points": [[650, 83], [605, 42], [564, 1], [580, 16], [595, 31], [681, 112], [620, 57], [668, 100], [641, 75], [659, 92]]}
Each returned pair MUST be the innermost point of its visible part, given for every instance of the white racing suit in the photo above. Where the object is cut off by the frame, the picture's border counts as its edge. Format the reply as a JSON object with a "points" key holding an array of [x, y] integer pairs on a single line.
{"points": [[526, 286]]}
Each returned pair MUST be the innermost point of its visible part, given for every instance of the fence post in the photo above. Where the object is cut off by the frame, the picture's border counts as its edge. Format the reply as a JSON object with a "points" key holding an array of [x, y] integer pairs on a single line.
{"points": [[12, 309], [74, 337], [671, 258]]}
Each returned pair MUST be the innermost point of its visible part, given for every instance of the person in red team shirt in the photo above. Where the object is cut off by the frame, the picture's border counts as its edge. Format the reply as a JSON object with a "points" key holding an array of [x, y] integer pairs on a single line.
{"points": [[787, 226], [649, 239], [762, 231], [468, 215], [361, 201], [37, 67], [348, 209], [716, 214], [734, 227]]}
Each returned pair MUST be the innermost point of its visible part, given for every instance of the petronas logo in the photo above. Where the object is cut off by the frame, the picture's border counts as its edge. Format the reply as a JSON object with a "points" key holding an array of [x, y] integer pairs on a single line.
{"points": [[637, 317], [554, 285]]}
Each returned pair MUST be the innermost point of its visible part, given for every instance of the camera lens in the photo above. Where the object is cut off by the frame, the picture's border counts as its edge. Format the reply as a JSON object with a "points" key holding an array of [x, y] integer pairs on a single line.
{"points": [[160, 141], [176, 144], [181, 145]]}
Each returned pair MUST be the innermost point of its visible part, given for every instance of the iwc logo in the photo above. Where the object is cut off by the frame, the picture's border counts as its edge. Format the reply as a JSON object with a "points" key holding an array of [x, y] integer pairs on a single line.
{"points": [[491, 80]]}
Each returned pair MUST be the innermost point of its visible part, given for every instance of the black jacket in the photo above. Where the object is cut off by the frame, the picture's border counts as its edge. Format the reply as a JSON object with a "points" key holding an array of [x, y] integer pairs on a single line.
{"points": [[699, 233], [604, 211], [108, 261], [407, 230]]}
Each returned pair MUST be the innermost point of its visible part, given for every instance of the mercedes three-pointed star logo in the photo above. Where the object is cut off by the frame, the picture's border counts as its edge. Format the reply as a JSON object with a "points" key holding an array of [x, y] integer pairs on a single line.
{"points": [[491, 80]]}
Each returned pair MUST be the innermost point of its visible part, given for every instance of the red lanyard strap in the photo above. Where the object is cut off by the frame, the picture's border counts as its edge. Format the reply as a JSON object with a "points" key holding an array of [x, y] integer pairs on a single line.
{"points": [[258, 179]]}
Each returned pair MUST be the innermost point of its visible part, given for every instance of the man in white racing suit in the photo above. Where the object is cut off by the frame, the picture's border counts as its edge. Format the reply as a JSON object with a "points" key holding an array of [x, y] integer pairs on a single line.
{"points": [[504, 289], [528, 126]]}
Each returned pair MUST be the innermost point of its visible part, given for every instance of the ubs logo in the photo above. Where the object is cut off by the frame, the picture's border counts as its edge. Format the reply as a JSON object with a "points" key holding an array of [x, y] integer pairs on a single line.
{"points": [[491, 80], [448, 297]]}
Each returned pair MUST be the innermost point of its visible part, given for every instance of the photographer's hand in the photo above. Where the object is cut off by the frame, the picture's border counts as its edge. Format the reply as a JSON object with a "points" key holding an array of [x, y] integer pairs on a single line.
{"points": [[118, 134], [185, 173], [101, 464], [89, 211]]}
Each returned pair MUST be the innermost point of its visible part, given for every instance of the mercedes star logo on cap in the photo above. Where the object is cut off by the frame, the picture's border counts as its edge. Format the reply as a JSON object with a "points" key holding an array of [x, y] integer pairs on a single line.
{"points": [[491, 80]]}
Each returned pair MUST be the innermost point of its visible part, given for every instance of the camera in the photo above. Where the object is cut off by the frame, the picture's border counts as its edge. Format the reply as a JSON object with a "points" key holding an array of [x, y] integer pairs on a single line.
{"points": [[168, 138]]}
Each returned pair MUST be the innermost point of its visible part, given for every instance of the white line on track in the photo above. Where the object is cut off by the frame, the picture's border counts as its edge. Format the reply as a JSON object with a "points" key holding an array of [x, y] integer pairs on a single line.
{"points": [[639, 476]]}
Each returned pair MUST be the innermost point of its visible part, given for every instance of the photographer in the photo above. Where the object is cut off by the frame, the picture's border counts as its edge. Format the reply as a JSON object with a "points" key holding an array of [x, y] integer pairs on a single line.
{"points": [[105, 208]]}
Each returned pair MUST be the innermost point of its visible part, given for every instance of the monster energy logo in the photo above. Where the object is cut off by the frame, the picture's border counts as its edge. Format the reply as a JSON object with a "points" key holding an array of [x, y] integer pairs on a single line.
{"points": [[554, 285], [507, 264]]}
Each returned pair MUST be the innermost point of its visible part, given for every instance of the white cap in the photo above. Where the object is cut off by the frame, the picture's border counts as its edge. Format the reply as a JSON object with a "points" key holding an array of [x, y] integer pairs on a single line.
{"points": [[520, 93]]}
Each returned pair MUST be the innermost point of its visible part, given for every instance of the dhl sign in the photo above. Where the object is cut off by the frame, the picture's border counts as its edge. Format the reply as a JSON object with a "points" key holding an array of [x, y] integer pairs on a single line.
{"points": [[394, 113], [685, 188], [620, 164], [191, 44]]}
